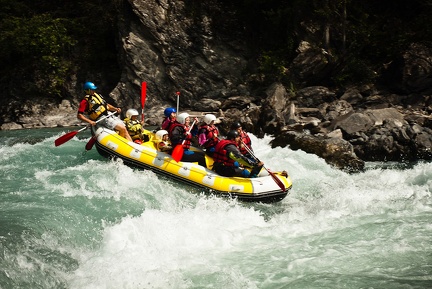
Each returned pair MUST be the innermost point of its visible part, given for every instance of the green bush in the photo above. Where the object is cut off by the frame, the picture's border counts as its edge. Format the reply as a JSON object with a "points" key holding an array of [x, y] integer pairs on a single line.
{"points": [[39, 46]]}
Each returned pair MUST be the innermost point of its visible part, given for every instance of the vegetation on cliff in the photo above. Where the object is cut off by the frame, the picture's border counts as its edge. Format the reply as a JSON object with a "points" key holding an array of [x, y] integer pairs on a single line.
{"points": [[44, 43]]}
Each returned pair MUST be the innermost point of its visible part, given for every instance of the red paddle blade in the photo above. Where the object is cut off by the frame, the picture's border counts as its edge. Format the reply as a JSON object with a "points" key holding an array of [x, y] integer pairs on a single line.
{"points": [[143, 98], [64, 138], [143, 93], [177, 153], [90, 143], [277, 181]]}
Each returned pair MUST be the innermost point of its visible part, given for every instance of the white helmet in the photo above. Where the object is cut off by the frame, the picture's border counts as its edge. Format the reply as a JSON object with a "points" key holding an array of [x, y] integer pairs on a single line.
{"points": [[160, 133], [181, 118], [131, 112], [208, 118]]}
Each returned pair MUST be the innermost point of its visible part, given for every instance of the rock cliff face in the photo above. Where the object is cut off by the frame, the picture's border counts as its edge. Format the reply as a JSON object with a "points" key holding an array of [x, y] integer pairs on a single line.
{"points": [[199, 49], [180, 46]]}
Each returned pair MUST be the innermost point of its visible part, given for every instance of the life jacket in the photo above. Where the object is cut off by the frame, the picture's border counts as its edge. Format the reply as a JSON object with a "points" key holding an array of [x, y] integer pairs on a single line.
{"points": [[97, 106], [220, 154], [210, 132], [163, 146], [187, 142], [167, 123], [247, 141], [134, 127]]}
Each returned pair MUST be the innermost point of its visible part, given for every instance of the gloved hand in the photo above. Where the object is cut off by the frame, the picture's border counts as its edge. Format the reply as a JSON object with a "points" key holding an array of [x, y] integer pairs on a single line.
{"points": [[212, 149], [245, 173], [236, 164]]}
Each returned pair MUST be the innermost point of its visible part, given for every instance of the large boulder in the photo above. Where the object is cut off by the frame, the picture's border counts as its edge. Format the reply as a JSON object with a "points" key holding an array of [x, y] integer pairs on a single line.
{"points": [[274, 109], [335, 151]]}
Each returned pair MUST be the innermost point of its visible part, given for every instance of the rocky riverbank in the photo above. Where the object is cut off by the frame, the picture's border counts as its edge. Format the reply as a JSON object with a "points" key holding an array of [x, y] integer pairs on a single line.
{"points": [[316, 120], [378, 128]]}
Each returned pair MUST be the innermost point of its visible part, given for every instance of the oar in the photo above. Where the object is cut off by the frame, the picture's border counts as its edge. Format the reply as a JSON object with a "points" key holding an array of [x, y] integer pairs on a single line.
{"points": [[276, 179], [178, 151], [143, 99], [90, 143], [178, 100], [66, 137]]}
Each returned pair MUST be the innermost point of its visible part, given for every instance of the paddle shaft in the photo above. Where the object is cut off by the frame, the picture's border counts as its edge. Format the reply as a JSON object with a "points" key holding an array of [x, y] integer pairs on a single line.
{"points": [[66, 137], [178, 100], [250, 151], [190, 128], [103, 117], [276, 179]]}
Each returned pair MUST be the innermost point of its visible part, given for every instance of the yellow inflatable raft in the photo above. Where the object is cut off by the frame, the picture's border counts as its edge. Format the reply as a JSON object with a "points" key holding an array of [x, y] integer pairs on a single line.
{"points": [[146, 156]]}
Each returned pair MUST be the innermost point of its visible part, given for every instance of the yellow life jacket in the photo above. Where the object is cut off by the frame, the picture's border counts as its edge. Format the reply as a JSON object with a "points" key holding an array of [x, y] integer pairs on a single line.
{"points": [[162, 145], [134, 127], [96, 106]]}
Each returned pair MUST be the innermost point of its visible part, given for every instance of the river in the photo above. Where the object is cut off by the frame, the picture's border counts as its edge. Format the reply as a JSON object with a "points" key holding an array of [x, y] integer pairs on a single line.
{"points": [[72, 219]]}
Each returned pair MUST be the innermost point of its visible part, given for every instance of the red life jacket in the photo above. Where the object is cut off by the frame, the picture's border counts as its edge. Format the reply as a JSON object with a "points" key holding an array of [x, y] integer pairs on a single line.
{"points": [[247, 141], [167, 123], [220, 155], [211, 132], [187, 143]]}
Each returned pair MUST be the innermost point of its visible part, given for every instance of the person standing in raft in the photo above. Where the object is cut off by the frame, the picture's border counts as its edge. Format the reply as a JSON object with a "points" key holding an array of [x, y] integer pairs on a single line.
{"points": [[95, 106], [134, 126], [228, 159], [179, 135]]}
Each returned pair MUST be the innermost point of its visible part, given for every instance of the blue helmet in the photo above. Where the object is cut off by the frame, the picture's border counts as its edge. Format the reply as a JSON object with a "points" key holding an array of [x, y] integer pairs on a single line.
{"points": [[89, 85], [169, 110]]}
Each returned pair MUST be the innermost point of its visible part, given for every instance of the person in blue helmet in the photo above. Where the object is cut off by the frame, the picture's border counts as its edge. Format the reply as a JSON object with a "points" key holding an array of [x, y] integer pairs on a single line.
{"points": [[170, 114], [93, 106]]}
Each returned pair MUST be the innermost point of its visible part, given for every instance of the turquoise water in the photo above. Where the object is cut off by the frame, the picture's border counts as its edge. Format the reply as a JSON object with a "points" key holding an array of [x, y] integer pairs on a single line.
{"points": [[71, 219]]}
